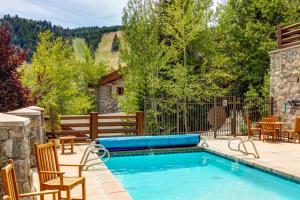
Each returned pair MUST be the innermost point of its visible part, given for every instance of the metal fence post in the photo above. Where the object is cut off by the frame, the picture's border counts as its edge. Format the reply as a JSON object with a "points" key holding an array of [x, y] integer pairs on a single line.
{"points": [[215, 117], [177, 116], [93, 125], [139, 123], [233, 124]]}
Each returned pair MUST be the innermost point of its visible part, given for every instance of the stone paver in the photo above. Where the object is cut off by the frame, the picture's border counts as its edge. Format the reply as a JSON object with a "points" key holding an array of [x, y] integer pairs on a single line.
{"points": [[100, 182], [280, 156]]}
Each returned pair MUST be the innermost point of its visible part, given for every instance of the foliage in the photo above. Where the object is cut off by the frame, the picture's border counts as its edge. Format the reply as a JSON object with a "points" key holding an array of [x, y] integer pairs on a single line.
{"points": [[115, 44], [165, 52], [57, 80], [142, 54], [13, 94], [246, 32], [25, 32]]}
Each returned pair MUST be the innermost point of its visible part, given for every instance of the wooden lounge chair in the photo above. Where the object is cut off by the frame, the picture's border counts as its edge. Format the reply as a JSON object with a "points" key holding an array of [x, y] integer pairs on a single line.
{"points": [[49, 172], [294, 132], [252, 130], [10, 185]]}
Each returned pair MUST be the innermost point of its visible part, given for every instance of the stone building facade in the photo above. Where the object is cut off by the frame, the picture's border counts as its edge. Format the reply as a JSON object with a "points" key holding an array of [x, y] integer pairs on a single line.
{"points": [[284, 81], [109, 88]]}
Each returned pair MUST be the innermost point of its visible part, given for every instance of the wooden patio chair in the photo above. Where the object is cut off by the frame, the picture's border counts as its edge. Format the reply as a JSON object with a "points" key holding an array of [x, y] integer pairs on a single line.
{"points": [[49, 171], [10, 185], [294, 132], [268, 128], [252, 130]]}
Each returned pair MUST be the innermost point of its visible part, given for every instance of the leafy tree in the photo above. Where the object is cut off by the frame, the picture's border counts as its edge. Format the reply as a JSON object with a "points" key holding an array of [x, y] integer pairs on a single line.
{"points": [[246, 32], [142, 54], [56, 78], [13, 94]]}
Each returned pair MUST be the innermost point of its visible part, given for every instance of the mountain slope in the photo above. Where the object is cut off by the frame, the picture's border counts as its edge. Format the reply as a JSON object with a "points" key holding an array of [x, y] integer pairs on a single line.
{"points": [[25, 32]]}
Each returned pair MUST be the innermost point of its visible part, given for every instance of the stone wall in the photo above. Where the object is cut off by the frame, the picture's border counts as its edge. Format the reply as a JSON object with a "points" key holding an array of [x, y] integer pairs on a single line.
{"points": [[284, 81], [15, 144]]}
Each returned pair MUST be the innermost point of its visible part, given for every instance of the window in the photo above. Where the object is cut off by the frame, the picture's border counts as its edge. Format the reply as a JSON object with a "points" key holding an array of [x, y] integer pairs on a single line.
{"points": [[120, 91]]}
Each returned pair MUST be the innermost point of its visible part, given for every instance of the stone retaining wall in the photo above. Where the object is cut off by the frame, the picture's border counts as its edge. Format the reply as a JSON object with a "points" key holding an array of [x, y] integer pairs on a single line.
{"points": [[284, 80]]}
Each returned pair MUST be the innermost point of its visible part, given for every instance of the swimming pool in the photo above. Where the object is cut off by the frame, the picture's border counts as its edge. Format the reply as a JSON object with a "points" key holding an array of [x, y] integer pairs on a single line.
{"points": [[195, 176]]}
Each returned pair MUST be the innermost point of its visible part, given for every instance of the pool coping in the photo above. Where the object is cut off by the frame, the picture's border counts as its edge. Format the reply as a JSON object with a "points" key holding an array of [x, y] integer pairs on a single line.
{"points": [[269, 170]]}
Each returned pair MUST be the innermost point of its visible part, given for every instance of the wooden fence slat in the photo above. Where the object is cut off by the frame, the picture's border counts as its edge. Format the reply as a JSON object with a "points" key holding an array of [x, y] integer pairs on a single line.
{"points": [[116, 117], [117, 130], [116, 123]]}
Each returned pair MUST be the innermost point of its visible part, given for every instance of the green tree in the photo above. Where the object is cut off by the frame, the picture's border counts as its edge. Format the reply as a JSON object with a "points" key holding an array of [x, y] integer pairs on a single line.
{"points": [[142, 54], [57, 80], [246, 32]]}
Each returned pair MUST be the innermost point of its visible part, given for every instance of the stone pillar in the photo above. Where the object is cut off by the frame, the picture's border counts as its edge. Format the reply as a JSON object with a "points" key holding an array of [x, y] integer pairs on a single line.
{"points": [[35, 127], [14, 143], [42, 134]]}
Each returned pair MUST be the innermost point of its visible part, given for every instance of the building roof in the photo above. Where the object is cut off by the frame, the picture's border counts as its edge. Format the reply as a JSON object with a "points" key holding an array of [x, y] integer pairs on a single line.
{"points": [[111, 77]]}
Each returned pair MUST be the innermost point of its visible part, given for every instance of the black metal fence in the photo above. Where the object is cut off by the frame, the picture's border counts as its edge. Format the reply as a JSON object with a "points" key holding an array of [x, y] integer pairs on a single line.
{"points": [[218, 116]]}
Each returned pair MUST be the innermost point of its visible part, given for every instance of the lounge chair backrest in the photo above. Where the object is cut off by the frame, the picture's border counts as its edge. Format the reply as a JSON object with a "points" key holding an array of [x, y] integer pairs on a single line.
{"points": [[46, 160], [297, 125], [9, 181]]}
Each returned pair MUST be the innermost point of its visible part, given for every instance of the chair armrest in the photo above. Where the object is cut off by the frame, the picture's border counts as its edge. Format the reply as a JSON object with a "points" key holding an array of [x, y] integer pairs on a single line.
{"points": [[80, 166], [51, 172], [38, 193], [60, 174]]}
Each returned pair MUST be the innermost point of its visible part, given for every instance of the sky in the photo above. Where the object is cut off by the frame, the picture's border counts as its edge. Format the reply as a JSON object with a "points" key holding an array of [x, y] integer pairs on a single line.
{"points": [[68, 13]]}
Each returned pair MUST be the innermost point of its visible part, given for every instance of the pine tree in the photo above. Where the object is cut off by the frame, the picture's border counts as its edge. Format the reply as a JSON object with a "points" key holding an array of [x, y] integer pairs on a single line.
{"points": [[12, 94]]}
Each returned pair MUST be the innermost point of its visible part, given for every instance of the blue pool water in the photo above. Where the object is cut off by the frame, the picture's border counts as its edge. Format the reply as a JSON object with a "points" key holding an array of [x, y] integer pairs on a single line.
{"points": [[195, 176]]}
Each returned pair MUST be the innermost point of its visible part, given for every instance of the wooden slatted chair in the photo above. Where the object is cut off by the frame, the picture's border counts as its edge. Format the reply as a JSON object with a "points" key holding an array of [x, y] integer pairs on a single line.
{"points": [[294, 132], [268, 128], [49, 171], [10, 185], [252, 130]]}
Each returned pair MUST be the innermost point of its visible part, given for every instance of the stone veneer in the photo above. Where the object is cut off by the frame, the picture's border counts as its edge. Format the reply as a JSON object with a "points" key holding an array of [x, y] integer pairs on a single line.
{"points": [[14, 144], [284, 80], [36, 133]]}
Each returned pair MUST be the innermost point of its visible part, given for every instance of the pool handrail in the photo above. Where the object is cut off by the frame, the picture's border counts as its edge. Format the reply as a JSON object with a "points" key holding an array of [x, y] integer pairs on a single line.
{"points": [[245, 151], [94, 149]]}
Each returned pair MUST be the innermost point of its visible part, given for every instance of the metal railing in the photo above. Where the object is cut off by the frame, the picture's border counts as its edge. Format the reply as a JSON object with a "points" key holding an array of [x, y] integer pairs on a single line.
{"points": [[218, 116], [245, 151]]}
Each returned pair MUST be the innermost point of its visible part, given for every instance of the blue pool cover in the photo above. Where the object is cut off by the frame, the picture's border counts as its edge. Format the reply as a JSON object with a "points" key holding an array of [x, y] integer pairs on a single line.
{"points": [[145, 142]]}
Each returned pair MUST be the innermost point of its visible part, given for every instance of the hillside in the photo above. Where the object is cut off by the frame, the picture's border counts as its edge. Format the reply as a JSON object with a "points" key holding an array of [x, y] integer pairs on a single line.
{"points": [[25, 32], [104, 53]]}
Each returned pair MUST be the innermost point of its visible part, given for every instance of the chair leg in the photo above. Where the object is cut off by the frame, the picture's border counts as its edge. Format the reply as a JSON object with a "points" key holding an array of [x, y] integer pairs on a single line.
{"points": [[53, 196], [59, 195], [68, 194], [83, 190], [42, 197]]}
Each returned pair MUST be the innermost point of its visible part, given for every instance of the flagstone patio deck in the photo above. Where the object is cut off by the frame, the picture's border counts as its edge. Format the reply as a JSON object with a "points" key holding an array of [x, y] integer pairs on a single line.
{"points": [[280, 157], [100, 182]]}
